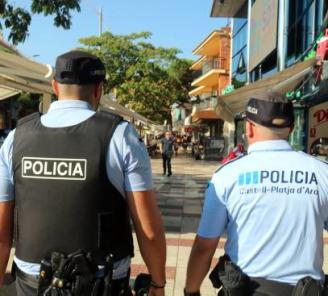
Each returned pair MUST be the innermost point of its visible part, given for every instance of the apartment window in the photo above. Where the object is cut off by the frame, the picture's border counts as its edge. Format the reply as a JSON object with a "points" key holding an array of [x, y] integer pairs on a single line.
{"points": [[302, 27], [239, 68], [239, 48], [325, 7], [239, 61], [267, 68], [239, 35]]}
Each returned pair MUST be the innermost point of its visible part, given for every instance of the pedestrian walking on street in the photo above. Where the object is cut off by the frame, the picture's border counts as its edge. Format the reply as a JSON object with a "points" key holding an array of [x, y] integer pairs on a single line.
{"points": [[167, 145], [273, 205], [68, 181]]}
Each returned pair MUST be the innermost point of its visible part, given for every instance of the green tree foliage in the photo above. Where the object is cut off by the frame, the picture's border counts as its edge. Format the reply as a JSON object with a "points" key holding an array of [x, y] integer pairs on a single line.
{"points": [[146, 78], [18, 19]]}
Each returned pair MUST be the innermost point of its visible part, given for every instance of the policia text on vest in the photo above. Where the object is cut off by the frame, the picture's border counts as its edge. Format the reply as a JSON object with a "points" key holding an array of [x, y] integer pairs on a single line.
{"points": [[54, 168]]}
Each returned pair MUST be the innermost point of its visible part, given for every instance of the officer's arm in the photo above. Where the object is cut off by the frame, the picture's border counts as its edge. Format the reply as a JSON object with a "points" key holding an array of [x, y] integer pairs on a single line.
{"points": [[6, 227], [150, 232], [211, 227], [200, 262]]}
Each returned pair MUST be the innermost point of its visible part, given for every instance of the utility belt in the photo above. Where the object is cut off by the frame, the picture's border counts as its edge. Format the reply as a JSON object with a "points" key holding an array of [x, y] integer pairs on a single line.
{"points": [[76, 274], [231, 281]]}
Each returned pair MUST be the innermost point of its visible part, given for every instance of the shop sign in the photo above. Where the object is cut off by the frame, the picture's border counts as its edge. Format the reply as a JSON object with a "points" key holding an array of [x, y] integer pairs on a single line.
{"points": [[318, 126], [263, 37]]}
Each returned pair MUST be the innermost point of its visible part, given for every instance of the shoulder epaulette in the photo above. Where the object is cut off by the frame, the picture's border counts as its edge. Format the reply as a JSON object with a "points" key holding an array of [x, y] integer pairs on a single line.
{"points": [[28, 118], [231, 161]]}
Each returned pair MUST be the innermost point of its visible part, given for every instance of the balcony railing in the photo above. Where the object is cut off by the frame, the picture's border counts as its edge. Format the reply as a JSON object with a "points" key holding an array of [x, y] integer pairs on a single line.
{"points": [[208, 96], [209, 103], [212, 64]]}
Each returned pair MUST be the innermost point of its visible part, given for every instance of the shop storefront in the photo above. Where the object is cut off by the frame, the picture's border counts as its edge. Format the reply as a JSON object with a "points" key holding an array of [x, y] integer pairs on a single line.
{"points": [[317, 133], [274, 49]]}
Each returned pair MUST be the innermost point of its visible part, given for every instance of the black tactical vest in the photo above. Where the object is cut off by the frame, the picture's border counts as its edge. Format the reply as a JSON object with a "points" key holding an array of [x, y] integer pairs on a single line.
{"points": [[64, 200]]}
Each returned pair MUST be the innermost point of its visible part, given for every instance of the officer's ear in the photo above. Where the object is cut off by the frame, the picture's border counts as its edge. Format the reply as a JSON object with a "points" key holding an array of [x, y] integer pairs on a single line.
{"points": [[98, 90], [54, 84], [249, 129]]}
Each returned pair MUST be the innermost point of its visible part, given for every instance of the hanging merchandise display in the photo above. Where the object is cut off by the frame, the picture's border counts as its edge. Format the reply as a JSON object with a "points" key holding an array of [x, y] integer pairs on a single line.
{"points": [[318, 130]]}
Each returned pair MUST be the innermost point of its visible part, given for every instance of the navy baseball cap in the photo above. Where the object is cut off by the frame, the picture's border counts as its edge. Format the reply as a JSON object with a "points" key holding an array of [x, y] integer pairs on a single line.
{"points": [[78, 67], [270, 110]]}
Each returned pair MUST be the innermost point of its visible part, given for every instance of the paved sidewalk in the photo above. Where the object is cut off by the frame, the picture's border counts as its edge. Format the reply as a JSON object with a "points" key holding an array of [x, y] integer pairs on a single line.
{"points": [[180, 198]]}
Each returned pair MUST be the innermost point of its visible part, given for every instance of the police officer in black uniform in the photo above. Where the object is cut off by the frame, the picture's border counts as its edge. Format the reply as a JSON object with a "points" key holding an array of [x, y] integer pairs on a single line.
{"points": [[69, 184]]}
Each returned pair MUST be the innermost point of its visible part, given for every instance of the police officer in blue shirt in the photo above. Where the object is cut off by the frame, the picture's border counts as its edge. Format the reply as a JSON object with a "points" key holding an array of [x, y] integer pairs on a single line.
{"points": [[71, 178], [273, 205]]}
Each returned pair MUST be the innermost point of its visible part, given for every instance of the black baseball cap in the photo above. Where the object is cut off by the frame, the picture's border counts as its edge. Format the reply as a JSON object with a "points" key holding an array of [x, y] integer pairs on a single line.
{"points": [[78, 67], [270, 110]]}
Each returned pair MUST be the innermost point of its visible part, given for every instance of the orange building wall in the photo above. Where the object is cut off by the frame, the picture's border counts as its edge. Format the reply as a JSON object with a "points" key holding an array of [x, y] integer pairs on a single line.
{"points": [[224, 81], [225, 56]]}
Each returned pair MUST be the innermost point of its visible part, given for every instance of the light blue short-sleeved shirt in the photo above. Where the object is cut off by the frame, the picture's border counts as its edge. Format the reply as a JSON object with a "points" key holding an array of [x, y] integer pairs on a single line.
{"points": [[128, 165], [273, 205]]}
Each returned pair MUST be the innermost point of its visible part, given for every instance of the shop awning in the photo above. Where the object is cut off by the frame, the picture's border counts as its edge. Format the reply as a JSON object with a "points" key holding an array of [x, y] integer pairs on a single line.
{"points": [[282, 82], [6, 92], [107, 104], [18, 73], [22, 74]]}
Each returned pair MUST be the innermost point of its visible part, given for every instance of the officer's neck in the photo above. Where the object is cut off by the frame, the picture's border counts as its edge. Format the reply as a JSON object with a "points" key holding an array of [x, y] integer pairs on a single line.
{"points": [[73, 98], [252, 141]]}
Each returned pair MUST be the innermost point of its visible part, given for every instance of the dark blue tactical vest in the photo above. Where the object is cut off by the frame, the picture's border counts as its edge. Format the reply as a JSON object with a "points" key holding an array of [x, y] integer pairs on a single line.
{"points": [[63, 198]]}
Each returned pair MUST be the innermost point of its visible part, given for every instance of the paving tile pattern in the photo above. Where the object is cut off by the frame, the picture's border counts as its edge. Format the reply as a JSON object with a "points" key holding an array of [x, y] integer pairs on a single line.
{"points": [[180, 198]]}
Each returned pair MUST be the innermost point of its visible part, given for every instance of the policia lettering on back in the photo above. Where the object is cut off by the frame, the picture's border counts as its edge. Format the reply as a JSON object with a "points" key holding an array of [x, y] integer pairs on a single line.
{"points": [[63, 198]]}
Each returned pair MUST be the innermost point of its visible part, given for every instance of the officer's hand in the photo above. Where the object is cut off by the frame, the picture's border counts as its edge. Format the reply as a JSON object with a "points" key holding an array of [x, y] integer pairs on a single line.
{"points": [[156, 292]]}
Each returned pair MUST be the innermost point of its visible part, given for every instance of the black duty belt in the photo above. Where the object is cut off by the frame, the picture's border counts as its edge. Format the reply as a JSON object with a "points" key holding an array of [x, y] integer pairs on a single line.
{"points": [[33, 281], [267, 287]]}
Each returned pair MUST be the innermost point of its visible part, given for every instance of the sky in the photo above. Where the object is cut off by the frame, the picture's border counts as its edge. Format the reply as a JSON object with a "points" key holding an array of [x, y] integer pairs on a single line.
{"points": [[182, 24]]}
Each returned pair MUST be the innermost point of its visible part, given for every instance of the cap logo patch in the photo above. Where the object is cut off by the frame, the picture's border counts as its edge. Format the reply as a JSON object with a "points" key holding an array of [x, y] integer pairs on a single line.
{"points": [[252, 110], [278, 121]]}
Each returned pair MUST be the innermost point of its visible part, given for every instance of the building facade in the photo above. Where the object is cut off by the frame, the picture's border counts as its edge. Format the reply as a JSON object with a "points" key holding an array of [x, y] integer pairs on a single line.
{"points": [[212, 76], [274, 46]]}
